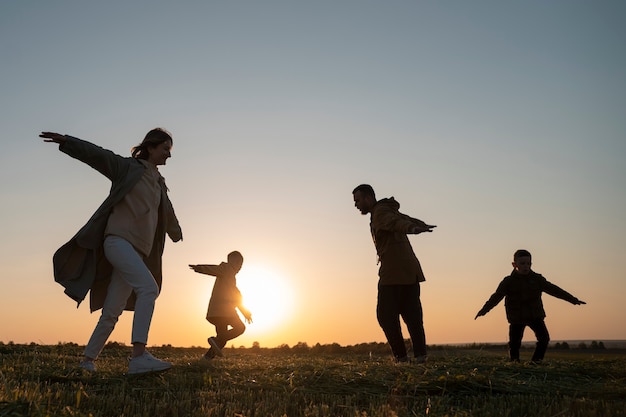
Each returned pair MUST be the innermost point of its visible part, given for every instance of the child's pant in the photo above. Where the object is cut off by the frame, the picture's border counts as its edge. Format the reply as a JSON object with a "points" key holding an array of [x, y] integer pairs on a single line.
{"points": [[516, 333], [224, 334]]}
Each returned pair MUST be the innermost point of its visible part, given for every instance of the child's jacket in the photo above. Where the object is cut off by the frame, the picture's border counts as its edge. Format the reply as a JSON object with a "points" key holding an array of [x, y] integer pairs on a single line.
{"points": [[225, 297], [522, 297]]}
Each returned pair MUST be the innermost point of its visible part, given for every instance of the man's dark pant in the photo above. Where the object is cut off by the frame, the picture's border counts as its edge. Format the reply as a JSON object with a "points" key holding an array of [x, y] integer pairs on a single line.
{"points": [[395, 301], [516, 333]]}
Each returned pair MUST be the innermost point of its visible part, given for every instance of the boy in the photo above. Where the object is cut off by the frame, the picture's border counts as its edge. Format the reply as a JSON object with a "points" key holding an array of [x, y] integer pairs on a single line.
{"points": [[225, 299], [522, 299]]}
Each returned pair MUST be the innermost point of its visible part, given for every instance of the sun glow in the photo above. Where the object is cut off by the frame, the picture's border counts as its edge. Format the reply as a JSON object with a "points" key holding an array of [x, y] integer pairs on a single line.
{"points": [[267, 295]]}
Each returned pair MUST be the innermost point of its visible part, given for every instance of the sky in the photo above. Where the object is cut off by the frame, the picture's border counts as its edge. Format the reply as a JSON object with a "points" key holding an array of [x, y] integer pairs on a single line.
{"points": [[503, 123]]}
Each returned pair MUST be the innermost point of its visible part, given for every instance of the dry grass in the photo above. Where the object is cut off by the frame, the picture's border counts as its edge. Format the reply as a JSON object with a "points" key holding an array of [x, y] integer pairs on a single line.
{"points": [[44, 381]]}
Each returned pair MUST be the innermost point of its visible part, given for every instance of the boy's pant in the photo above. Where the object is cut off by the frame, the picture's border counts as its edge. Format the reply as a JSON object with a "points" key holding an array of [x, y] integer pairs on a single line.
{"points": [[130, 273], [395, 301], [516, 333], [224, 334]]}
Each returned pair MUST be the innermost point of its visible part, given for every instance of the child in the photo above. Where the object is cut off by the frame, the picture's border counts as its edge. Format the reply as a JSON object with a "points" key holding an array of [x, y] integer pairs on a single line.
{"points": [[224, 301], [522, 299]]}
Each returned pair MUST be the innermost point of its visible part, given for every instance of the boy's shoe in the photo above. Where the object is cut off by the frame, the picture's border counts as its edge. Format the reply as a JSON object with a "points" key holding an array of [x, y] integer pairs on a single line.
{"points": [[215, 346], [210, 354], [146, 363], [88, 366]]}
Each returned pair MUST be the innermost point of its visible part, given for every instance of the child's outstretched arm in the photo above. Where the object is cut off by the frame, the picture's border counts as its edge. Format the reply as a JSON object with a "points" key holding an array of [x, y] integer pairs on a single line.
{"points": [[481, 312], [493, 301], [558, 292], [246, 314], [206, 269]]}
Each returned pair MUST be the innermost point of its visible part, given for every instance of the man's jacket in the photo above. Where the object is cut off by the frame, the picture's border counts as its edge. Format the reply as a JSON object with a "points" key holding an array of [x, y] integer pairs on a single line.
{"points": [[389, 227]]}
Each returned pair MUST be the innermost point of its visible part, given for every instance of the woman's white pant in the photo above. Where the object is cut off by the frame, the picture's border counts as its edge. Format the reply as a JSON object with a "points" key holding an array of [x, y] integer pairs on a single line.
{"points": [[130, 273]]}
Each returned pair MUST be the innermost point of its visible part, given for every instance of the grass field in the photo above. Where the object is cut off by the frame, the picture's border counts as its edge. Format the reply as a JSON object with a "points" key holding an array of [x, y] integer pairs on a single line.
{"points": [[44, 381]]}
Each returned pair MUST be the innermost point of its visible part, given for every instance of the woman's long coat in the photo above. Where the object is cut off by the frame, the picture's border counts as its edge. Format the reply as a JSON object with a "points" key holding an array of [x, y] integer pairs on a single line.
{"points": [[80, 264]]}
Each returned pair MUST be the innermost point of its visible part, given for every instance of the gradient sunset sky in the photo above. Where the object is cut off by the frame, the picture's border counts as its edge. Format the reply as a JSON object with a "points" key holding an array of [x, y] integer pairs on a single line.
{"points": [[503, 123]]}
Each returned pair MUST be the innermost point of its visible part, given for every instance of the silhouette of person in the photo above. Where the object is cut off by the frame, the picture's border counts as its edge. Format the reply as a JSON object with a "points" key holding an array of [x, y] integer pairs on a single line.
{"points": [[116, 255], [224, 302], [400, 272], [522, 299]]}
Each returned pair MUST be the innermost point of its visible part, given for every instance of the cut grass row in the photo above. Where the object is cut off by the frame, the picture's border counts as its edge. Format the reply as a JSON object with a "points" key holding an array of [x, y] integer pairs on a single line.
{"points": [[44, 381]]}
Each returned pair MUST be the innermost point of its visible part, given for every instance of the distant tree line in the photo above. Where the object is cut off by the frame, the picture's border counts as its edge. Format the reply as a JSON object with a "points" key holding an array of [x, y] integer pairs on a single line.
{"points": [[594, 345], [372, 348], [383, 348], [332, 348]]}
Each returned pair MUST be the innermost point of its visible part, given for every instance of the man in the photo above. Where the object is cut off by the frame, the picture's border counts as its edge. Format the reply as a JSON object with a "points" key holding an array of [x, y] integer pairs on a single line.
{"points": [[399, 274]]}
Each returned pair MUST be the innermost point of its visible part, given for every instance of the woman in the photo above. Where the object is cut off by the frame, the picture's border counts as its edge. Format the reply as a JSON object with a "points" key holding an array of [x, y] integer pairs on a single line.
{"points": [[116, 256]]}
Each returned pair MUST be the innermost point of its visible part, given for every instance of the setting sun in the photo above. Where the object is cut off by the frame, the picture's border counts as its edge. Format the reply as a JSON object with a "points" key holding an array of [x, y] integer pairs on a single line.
{"points": [[267, 295]]}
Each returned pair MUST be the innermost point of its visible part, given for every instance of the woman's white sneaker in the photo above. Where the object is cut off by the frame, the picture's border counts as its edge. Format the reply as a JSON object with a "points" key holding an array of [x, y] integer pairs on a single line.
{"points": [[146, 363]]}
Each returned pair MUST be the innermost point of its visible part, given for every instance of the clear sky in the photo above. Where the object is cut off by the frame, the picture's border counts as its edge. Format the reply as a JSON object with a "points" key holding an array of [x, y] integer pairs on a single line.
{"points": [[503, 123]]}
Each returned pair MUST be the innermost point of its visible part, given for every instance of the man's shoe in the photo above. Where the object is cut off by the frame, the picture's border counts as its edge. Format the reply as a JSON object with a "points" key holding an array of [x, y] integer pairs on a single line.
{"points": [[88, 366], [146, 363], [215, 346], [421, 359]]}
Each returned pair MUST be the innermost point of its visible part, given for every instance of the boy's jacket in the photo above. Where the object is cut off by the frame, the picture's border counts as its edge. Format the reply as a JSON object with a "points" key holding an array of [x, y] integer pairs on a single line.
{"points": [[522, 296]]}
